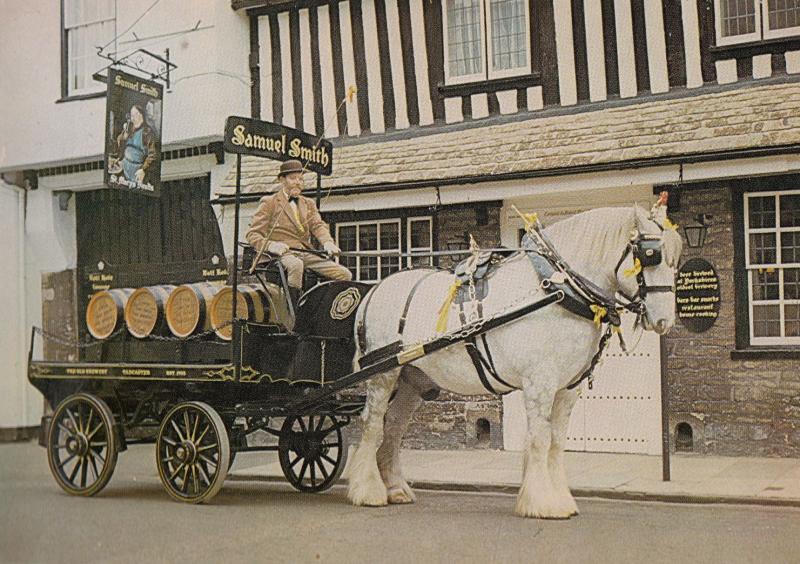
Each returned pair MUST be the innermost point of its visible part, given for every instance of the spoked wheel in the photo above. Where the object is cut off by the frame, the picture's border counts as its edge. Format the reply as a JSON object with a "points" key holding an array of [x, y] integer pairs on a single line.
{"points": [[192, 452], [312, 451], [82, 444]]}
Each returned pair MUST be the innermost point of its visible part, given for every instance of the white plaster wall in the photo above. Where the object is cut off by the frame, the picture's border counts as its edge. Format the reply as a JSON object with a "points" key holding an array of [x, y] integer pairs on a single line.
{"points": [[211, 82]]}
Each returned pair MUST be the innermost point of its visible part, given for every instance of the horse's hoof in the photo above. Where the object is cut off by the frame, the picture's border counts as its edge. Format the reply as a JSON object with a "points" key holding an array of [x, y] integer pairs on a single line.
{"points": [[364, 497], [400, 497]]}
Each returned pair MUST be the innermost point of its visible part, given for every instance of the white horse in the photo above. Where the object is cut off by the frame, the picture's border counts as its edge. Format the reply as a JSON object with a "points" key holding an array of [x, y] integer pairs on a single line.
{"points": [[541, 353]]}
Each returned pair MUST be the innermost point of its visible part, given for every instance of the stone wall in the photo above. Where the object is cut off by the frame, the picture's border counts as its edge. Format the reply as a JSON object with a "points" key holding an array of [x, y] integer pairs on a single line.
{"points": [[734, 407]]}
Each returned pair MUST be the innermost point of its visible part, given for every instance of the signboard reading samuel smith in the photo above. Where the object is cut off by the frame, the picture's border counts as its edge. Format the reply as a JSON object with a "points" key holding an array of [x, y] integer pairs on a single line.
{"points": [[133, 133], [272, 141]]}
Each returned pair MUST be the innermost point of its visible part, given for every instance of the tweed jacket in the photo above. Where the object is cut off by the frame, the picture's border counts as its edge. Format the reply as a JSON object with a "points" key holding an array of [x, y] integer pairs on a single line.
{"points": [[274, 221]]}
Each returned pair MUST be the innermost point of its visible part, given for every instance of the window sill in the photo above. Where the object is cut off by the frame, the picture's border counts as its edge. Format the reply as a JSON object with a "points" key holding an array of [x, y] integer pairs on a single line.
{"points": [[766, 354], [77, 97], [760, 47], [508, 83]]}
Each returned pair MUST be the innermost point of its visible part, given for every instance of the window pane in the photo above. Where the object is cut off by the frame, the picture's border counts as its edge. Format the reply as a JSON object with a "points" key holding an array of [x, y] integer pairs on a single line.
{"points": [[369, 268], [509, 47], [784, 13], [766, 321], [762, 212], [421, 234], [790, 247], [762, 248], [368, 237], [417, 262], [791, 284], [465, 51], [738, 17], [792, 320], [347, 238], [389, 265], [765, 284], [790, 209], [390, 236]]}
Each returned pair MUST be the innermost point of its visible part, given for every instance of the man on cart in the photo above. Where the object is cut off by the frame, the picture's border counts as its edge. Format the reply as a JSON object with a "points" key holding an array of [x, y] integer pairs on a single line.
{"points": [[283, 225]]}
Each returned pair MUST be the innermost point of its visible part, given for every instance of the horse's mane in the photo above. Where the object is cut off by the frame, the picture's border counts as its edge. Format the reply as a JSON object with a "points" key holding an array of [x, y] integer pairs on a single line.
{"points": [[599, 236]]}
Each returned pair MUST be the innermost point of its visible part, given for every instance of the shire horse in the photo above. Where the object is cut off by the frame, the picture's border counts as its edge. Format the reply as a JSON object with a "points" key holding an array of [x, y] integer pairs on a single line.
{"points": [[541, 353]]}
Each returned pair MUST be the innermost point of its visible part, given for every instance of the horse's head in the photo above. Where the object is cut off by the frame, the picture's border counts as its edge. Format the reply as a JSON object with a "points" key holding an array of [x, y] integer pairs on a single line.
{"points": [[646, 271]]}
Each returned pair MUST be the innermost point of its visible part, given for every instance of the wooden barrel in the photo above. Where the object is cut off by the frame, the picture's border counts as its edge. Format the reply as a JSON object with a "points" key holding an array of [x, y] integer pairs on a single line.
{"points": [[105, 311], [187, 308], [144, 312], [252, 304]]}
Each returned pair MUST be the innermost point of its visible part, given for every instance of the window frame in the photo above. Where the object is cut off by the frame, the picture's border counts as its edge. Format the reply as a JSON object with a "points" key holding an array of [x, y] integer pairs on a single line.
{"points": [[762, 31], [357, 224], [486, 74], [749, 269], [89, 91]]}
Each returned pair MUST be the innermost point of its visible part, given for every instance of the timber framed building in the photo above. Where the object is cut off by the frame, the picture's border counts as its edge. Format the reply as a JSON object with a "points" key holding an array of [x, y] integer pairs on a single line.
{"points": [[465, 107]]}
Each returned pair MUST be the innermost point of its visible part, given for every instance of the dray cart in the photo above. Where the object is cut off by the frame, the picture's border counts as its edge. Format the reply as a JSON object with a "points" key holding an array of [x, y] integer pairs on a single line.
{"points": [[202, 403]]}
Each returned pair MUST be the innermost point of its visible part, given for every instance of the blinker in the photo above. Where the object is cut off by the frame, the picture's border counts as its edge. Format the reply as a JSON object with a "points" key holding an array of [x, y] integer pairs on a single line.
{"points": [[649, 251]]}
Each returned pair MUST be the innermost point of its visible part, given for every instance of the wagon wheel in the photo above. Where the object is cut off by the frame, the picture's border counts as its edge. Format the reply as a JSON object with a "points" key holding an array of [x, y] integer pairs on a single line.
{"points": [[82, 445], [312, 451], [192, 452]]}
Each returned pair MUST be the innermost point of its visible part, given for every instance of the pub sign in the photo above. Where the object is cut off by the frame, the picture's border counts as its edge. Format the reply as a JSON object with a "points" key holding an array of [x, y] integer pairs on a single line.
{"points": [[133, 133], [272, 141], [697, 295]]}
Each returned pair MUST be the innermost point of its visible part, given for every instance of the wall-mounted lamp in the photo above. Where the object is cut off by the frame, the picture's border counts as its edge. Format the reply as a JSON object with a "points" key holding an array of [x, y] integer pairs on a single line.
{"points": [[696, 232]]}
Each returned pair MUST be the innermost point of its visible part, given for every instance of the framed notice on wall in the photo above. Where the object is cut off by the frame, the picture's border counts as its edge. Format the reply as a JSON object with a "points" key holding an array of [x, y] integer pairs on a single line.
{"points": [[133, 133]]}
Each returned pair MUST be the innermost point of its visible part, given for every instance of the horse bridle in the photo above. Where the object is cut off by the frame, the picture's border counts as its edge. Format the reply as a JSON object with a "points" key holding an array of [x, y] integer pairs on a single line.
{"points": [[648, 250]]}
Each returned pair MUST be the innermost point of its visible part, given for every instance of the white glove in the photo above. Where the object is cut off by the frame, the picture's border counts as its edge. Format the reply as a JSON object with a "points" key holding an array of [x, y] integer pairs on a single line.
{"points": [[277, 248], [331, 248]]}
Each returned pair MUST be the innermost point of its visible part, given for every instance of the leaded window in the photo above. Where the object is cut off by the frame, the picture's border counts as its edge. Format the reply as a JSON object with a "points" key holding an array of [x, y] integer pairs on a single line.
{"points": [[485, 39], [739, 21]]}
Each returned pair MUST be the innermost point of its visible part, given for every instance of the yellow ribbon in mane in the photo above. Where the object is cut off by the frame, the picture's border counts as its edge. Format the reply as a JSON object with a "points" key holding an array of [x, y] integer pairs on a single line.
{"points": [[636, 269], [444, 311], [669, 225], [599, 313]]}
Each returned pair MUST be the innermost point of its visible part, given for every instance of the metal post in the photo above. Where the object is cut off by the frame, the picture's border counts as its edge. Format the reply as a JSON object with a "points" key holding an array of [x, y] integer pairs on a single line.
{"points": [[319, 189], [665, 470], [236, 357]]}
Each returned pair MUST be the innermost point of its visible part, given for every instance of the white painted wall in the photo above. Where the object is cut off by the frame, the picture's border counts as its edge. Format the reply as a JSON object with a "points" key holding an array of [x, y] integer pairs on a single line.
{"points": [[212, 80]]}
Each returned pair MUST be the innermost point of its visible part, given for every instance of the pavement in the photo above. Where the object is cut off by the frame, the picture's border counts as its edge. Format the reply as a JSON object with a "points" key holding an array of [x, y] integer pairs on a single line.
{"points": [[694, 478]]}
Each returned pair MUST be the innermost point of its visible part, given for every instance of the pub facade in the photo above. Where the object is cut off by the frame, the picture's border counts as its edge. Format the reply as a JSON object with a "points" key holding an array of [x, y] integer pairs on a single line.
{"points": [[467, 108]]}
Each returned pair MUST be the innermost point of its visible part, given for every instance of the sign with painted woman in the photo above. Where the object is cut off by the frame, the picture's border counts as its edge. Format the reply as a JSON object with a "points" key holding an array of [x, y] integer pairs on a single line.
{"points": [[133, 134]]}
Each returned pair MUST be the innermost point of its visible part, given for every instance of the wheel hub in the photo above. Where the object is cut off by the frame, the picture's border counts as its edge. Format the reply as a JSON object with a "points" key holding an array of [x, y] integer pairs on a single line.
{"points": [[186, 452], [77, 444]]}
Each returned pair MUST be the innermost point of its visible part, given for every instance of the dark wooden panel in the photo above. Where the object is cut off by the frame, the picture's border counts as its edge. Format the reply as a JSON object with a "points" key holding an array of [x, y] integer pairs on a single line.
{"points": [[744, 67], [579, 48], [387, 88], [361, 66], [277, 75], [435, 48], [316, 71], [338, 65], [610, 49], [640, 46], [409, 72], [522, 99], [549, 61], [778, 64], [705, 16], [676, 50], [494, 104], [297, 73], [466, 107], [255, 70]]}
